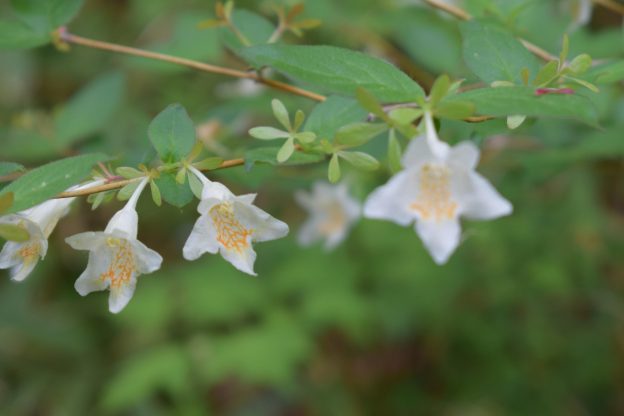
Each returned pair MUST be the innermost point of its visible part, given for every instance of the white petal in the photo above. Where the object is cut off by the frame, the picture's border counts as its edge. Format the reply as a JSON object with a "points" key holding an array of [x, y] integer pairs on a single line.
{"points": [[120, 296], [335, 238], [479, 200], [264, 226], [124, 223], [440, 237], [243, 260], [215, 190], [9, 256], [203, 239], [90, 280], [21, 271], [205, 205], [247, 198], [147, 260], [86, 241], [305, 200], [438, 148], [391, 201], [464, 155], [417, 152], [308, 233]]}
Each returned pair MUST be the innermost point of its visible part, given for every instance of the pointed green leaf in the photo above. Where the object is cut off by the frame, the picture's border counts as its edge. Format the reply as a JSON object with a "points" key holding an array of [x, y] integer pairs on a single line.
{"points": [[281, 114], [286, 150], [268, 133], [394, 153], [172, 133], [357, 134], [360, 160], [178, 195], [268, 155], [333, 171], [439, 89], [333, 113]]}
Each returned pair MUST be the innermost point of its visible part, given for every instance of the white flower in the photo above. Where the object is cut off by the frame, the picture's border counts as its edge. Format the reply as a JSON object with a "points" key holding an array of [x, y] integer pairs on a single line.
{"points": [[39, 221], [229, 224], [116, 257], [438, 186], [332, 213]]}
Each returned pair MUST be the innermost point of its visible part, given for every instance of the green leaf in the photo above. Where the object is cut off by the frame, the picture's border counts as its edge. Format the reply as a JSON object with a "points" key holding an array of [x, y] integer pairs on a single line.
{"points": [[546, 74], [54, 13], [370, 103], [299, 119], [49, 180], [455, 110], [609, 73], [6, 201], [333, 113], [581, 64], [128, 172], [405, 116], [268, 133], [12, 232], [210, 163], [336, 70], [439, 89], [357, 134], [510, 101], [394, 153], [493, 54], [18, 35], [281, 114], [90, 110], [195, 184], [286, 150], [126, 192], [513, 122], [333, 171], [254, 27], [172, 133], [360, 160], [269, 155], [305, 137], [6, 168], [156, 196], [174, 193]]}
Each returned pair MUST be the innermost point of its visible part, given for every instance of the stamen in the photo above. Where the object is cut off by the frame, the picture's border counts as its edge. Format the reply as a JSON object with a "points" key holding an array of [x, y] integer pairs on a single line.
{"points": [[230, 232], [30, 251], [435, 200], [122, 265]]}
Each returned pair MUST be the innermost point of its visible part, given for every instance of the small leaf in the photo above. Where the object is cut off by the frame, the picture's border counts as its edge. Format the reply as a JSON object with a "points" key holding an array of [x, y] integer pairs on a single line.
{"points": [[370, 103], [7, 168], [357, 134], [196, 185], [128, 172], [546, 74], [181, 176], [439, 90], [12, 232], [456, 110], [581, 64], [333, 113], [126, 192], [268, 133], [99, 199], [394, 153], [286, 151], [584, 83], [299, 119], [405, 116], [174, 193], [269, 155], [333, 171], [172, 133], [210, 163], [156, 197], [281, 114], [305, 137], [513, 122], [360, 160]]}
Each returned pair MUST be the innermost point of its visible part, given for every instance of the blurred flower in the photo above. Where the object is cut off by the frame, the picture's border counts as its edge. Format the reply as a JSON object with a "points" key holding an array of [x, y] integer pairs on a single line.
{"points": [[39, 221], [332, 213], [116, 257], [435, 189], [228, 224]]}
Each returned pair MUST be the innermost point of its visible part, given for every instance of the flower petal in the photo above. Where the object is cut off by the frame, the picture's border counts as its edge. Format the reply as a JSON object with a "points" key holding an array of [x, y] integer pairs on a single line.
{"points": [[147, 260], [391, 201], [86, 241], [203, 239], [264, 226], [121, 295], [479, 200], [464, 155], [9, 256], [440, 238], [308, 232], [124, 223], [22, 270], [417, 152], [243, 260], [90, 280]]}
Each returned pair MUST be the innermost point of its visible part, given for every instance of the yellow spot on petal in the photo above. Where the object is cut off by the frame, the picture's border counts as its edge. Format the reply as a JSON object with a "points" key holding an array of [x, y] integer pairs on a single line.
{"points": [[122, 265], [434, 201], [334, 221], [230, 232], [30, 251]]}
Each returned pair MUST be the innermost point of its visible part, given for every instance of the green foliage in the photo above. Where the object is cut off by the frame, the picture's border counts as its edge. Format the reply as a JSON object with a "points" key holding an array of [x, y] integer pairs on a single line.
{"points": [[172, 133], [174, 193], [269, 155], [336, 70], [47, 181], [333, 113], [6, 168]]}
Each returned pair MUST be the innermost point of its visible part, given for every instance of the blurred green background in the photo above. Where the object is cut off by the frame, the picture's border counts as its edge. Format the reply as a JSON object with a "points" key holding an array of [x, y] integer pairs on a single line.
{"points": [[526, 319]]}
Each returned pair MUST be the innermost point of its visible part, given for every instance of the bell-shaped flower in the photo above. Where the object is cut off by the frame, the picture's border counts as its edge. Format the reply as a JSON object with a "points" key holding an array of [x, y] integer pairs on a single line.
{"points": [[437, 187], [116, 257], [39, 221], [229, 224], [332, 214]]}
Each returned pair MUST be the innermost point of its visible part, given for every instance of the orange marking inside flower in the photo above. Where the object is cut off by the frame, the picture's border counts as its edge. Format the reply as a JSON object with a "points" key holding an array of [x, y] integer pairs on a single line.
{"points": [[334, 220], [435, 200], [230, 232], [122, 266], [30, 251]]}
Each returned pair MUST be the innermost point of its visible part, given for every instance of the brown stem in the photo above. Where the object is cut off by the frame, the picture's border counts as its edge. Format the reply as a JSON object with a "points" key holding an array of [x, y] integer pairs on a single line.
{"points": [[79, 40], [463, 15], [611, 5]]}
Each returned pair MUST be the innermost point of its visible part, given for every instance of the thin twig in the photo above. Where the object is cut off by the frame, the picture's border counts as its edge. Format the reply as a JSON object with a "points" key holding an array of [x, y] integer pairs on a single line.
{"points": [[463, 15], [79, 40], [611, 5]]}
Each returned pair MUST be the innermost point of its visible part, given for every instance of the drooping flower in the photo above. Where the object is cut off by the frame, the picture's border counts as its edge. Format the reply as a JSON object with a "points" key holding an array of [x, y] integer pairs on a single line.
{"points": [[116, 256], [39, 221], [332, 213], [437, 187], [229, 224]]}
